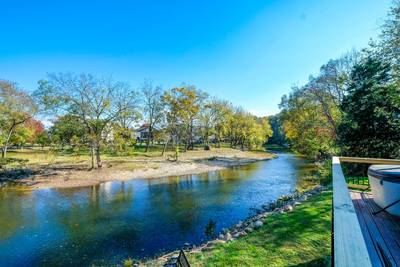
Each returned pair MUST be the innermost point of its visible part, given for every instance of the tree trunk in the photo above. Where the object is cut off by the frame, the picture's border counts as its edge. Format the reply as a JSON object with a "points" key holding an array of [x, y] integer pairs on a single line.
{"points": [[92, 155], [5, 147], [191, 143], [148, 138], [98, 158], [165, 148]]}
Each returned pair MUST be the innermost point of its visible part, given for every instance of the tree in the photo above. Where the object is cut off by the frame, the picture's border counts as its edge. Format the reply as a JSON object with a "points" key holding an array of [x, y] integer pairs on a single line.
{"points": [[67, 128], [43, 139], [173, 127], [21, 136], [213, 119], [265, 131], [121, 137], [371, 125], [36, 127], [207, 119], [328, 88], [223, 112], [182, 106], [388, 47], [311, 113], [278, 135], [246, 130], [96, 102], [16, 107], [305, 125], [153, 108]]}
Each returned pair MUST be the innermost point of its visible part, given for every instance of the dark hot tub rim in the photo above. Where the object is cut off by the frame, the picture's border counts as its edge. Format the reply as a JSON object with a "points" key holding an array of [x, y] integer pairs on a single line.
{"points": [[389, 173]]}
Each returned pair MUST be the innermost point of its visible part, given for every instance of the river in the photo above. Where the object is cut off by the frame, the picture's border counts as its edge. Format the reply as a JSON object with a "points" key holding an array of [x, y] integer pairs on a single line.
{"points": [[107, 223]]}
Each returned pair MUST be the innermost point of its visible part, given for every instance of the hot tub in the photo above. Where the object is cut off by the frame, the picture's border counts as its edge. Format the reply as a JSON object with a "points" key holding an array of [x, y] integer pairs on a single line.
{"points": [[385, 186]]}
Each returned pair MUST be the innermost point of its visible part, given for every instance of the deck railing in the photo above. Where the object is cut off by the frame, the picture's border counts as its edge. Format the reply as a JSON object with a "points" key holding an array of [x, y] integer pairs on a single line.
{"points": [[349, 248]]}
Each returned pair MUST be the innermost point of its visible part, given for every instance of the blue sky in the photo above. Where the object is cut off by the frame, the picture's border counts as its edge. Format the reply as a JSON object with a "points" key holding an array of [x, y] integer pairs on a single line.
{"points": [[248, 52]]}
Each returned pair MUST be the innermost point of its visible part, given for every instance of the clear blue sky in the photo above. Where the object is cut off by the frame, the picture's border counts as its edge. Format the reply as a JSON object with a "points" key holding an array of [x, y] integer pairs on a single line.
{"points": [[249, 52]]}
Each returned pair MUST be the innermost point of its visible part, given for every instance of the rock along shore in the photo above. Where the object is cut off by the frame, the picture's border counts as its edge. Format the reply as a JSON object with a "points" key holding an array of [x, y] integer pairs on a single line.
{"points": [[285, 203]]}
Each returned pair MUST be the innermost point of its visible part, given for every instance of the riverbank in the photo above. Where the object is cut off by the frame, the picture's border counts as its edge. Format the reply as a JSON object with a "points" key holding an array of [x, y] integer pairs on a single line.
{"points": [[294, 231], [75, 174]]}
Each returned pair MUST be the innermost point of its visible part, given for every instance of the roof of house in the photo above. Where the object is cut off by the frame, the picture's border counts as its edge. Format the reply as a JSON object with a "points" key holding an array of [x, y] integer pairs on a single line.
{"points": [[146, 126], [143, 127]]}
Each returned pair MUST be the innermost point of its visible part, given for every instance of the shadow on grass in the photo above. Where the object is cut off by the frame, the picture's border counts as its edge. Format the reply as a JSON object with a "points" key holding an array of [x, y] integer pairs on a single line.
{"points": [[324, 261]]}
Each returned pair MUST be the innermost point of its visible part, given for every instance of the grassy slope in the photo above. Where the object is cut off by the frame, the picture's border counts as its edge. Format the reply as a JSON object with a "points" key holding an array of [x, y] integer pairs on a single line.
{"points": [[300, 238]]}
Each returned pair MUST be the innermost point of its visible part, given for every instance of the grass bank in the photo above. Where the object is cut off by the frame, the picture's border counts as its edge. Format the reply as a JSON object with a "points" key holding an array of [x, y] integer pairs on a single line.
{"points": [[298, 238]]}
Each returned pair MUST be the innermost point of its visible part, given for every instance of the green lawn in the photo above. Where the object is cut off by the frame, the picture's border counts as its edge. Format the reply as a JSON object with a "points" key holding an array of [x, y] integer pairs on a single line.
{"points": [[357, 180], [358, 183], [299, 238]]}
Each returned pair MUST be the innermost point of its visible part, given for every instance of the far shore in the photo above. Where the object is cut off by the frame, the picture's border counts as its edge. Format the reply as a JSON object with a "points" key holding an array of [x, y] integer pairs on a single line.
{"points": [[123, 169]]}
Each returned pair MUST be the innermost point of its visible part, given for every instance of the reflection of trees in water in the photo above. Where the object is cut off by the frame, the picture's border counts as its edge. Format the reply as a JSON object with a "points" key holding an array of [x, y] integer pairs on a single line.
{"points": [[13, 211], [181, 199], [93, 214], [94, 224], [305, 169], [174, 201]]}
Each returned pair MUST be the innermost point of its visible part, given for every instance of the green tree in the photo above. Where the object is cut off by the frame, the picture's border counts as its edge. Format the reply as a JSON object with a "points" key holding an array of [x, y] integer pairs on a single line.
{"points": [[278, 135], [16, 107], [183, 105], [223, 112], [43, 139], [305, 125], [246, 130], [21, 136], [371, 125], [387, 48], [68, 127], [311, 114], [213, 120], [121, 138]]}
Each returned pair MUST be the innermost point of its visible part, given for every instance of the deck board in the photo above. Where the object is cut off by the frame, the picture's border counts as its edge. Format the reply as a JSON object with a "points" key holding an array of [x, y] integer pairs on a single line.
{"points": [[376, 258], [381, 232]]}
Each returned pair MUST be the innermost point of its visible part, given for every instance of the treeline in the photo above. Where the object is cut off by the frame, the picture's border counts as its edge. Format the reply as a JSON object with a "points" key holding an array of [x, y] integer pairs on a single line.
{"points": [[97, 114], [352, 107]]}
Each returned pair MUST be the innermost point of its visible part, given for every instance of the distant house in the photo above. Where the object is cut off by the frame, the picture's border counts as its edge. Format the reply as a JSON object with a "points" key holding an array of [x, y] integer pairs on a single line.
{"points": [[143, 132], [108, 134]]}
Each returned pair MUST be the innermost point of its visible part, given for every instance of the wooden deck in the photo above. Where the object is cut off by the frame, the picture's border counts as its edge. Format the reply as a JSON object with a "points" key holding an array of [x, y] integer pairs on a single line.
{"points": [[358, 237], [381, 232]]}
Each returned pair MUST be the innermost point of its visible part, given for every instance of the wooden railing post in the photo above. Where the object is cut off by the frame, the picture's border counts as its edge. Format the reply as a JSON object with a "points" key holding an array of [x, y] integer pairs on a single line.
{"points": [[349, 248]]}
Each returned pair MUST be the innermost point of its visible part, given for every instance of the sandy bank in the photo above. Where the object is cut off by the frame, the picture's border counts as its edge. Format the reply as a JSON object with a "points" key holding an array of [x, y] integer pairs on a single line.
{"points": [[193, 162]]}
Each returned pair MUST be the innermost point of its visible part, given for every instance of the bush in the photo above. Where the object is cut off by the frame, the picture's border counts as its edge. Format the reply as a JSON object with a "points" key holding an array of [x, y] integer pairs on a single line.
{"points": [[128, 262]]}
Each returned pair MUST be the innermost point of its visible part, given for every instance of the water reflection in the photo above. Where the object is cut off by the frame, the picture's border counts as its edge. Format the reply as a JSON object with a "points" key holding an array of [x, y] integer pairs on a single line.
{"points": [[12, 215], [106, 223]]}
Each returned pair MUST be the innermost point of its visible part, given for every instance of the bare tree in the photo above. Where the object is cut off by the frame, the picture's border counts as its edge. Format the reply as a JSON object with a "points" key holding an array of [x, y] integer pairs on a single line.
{"points": [[153, 108], [329, 87], [96, 102]]}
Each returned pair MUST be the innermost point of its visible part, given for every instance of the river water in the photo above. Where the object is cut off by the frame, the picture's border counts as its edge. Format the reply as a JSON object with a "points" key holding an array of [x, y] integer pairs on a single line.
{"points": [[140, 218]]}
